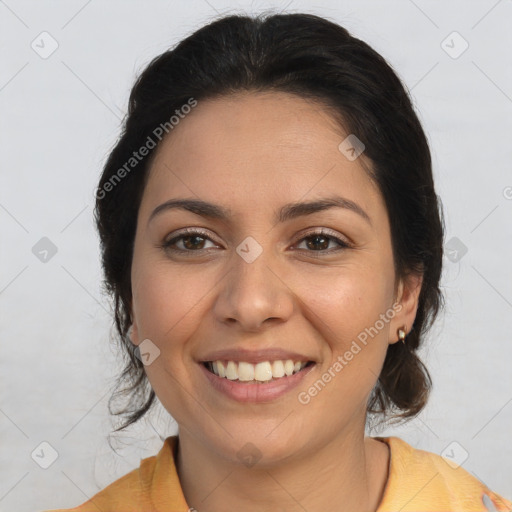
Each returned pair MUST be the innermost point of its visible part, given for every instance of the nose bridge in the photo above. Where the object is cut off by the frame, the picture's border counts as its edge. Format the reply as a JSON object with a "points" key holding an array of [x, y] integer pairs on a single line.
{"points": [[251, 273], [251, 292]]}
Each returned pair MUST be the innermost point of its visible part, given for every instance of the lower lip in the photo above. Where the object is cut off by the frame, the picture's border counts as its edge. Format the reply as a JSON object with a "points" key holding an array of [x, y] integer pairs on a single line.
{"points": [[255, 391]]}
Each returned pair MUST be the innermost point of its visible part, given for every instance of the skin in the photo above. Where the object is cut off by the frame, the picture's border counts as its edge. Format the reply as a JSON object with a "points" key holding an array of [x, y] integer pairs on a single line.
{"points": [[254, 152]]}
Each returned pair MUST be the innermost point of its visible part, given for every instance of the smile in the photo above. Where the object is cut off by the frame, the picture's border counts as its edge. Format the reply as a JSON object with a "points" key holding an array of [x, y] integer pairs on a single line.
{"points": [[261, 382], [265, 371]]}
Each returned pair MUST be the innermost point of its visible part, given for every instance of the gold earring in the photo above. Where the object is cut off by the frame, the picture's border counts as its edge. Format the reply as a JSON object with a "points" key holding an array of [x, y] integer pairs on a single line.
{"points": [[401, 334]]}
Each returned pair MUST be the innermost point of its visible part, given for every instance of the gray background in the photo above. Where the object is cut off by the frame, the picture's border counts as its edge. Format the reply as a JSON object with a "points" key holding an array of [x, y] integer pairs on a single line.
{"points": [[61, 114]]}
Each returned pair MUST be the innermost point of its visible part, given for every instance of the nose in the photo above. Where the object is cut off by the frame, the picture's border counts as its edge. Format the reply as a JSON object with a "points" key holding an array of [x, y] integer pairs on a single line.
{"points": [[253, 295]]}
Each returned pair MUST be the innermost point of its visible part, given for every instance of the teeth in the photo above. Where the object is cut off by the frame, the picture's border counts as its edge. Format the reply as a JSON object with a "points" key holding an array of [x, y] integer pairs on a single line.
{"points": [[232, 371], [245, 371], [288, 367], [261, 372], [221, 369], [277, 369]]}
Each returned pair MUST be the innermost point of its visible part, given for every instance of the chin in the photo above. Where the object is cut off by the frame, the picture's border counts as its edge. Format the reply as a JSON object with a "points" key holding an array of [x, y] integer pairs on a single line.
{"points": [[256, 447]]}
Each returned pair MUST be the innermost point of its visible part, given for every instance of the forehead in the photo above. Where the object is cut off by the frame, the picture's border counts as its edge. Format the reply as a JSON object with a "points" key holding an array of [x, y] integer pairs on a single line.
{"points": [[249, 149]]}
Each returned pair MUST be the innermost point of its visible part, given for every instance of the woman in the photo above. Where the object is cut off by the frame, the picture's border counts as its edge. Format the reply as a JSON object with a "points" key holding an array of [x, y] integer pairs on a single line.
{"points": [[272, 240]]}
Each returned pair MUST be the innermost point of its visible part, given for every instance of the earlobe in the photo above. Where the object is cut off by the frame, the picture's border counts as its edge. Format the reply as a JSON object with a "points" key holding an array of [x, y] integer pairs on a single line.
{"points": [[408, 297]]}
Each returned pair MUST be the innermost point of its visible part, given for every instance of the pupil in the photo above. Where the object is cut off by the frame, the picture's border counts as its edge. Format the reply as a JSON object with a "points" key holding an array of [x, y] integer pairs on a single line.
{"points": [[195, 238], [320, 237]]}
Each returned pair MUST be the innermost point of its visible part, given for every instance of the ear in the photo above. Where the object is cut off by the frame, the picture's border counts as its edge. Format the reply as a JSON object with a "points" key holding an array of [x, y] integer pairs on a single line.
{"points": [[407, 297], [133, 331]]}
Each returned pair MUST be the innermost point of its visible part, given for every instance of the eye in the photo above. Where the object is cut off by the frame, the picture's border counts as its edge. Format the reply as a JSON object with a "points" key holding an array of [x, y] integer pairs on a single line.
{"points": [[318, 241], [192, 240]]}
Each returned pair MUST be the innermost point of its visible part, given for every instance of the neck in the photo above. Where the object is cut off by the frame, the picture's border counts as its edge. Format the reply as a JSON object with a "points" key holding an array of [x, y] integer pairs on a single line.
{"points": [[348, 473]]}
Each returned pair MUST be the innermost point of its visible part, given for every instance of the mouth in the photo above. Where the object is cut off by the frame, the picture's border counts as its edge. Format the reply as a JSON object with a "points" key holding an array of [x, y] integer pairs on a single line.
{"points": [[259, 373]]}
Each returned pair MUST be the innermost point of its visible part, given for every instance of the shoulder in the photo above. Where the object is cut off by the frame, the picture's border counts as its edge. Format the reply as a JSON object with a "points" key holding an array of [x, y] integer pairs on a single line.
{"points": [[143, 488], [420, 480], [129, 492]]}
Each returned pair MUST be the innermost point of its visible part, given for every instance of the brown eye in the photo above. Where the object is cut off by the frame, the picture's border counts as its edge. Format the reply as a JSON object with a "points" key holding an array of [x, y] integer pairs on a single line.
{"points": [[192, 241], [188, 241], [319, 242]]}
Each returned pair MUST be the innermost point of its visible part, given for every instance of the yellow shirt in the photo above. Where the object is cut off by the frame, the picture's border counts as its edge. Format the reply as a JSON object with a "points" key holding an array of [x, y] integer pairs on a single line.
{"points": [[418, 481]]}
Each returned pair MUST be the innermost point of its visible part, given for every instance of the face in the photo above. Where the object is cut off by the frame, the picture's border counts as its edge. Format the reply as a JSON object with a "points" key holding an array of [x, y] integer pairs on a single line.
{"points": [[264, 283]]}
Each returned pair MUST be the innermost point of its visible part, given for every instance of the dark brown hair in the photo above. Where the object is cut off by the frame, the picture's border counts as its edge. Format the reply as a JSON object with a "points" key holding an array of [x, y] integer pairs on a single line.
{"points": [[314, 58]]}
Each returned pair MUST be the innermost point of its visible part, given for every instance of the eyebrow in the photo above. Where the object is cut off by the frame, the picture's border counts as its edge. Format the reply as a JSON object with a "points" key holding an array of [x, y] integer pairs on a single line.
{"points": [[285, 213]]}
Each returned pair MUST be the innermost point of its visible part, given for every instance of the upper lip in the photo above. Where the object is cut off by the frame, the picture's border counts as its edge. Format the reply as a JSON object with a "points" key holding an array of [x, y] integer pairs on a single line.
{"points": [[254, 356]]}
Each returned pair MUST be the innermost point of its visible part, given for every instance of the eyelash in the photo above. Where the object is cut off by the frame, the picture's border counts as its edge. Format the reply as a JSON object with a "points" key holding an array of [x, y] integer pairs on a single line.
{"points": [[202, 234]]}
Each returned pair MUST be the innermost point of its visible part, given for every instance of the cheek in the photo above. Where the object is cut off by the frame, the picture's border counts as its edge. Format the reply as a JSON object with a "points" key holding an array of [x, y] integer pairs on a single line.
{"points": [[165, 307], [345, 302], [345, 317], [163, 299], [345, 308]]}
